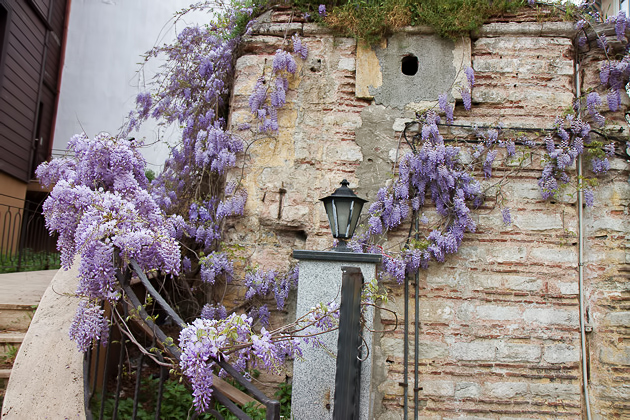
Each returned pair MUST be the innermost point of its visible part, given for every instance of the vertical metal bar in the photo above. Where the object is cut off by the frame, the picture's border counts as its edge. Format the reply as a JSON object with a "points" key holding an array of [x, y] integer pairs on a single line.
{"points": [[118, 379], [23, 232], [163, 377], [104, 383], [136, 392], [416, 385], [348, 362], [87, 396], [95, 360], [405, 383]]}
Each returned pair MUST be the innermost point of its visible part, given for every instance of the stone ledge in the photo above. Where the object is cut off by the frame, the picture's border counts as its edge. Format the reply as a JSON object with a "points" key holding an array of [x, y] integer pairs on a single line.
{"points": [[302, 254], [561, 29]]}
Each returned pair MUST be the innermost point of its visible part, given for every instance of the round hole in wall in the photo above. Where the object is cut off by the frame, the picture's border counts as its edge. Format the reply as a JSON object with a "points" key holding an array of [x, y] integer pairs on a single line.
{"points": [[409, 65]]}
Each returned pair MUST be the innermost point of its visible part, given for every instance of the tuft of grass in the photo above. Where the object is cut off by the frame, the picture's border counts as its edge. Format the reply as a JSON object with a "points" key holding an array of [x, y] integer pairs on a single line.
{"points": [[10, 355]]}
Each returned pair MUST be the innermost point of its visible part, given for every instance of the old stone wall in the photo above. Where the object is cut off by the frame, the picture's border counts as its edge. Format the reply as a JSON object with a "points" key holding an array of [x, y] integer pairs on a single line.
{"points": [[499, 331]]}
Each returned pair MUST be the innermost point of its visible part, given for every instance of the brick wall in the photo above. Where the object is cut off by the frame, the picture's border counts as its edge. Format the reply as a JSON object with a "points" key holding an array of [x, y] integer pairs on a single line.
{"points": [[499, 332]]}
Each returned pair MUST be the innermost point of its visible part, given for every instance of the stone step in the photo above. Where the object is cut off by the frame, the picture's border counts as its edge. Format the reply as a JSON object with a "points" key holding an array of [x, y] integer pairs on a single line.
{"points": [[16, 317], [10, 342], [4, 379]]}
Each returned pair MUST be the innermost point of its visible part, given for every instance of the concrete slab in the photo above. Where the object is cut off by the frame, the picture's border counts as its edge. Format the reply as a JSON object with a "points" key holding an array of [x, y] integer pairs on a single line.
{"points": [[24, 288], [47, 377]]}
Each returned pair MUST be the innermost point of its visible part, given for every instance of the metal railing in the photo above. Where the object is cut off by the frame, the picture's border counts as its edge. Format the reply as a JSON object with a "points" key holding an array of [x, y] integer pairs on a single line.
{"points": [[25, 243], [139, 348]]}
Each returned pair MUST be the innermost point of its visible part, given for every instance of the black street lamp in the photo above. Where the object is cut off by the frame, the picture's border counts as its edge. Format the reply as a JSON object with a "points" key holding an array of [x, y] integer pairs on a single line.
{"points": [[343, 208]]}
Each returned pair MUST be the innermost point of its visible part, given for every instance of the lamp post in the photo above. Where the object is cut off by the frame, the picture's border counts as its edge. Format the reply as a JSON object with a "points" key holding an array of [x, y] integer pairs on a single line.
{"points": [[319, 379], [343, 208]]}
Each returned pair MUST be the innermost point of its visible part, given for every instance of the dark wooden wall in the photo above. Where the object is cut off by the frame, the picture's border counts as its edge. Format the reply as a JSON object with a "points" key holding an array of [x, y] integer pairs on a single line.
{"points": [[31, 38]]}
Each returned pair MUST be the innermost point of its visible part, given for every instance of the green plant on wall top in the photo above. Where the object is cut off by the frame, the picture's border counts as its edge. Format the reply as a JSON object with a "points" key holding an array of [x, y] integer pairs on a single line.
{"points": [[373, 20]]}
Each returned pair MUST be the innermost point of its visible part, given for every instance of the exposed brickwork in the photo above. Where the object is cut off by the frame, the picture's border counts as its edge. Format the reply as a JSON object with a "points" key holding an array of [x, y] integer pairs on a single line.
{"points": [[499, 321]]}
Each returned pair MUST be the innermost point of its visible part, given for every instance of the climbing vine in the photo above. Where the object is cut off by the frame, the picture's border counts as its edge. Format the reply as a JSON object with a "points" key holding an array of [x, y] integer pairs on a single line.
{"points": [[107, 212]]}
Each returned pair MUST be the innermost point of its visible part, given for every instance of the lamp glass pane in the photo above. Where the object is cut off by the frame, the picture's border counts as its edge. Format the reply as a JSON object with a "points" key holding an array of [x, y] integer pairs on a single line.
{"points": [[356, 212], [342, 209], [328, 205]]}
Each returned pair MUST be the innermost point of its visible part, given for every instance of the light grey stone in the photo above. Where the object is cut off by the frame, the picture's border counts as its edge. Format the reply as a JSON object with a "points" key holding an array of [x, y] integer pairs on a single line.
{"points": [[516, 352], [561, 353], [467, 390], [551, 316], [615, 356], [347, 64], [619, 319], [475, 350], [498, 313], [567, 254], [556, 390], [505, 389], [435, 74], [438, 388]]}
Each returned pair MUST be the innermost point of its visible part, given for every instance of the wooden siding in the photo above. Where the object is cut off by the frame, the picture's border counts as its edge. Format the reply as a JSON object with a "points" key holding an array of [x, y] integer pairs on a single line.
{"points": [[29, 72]]}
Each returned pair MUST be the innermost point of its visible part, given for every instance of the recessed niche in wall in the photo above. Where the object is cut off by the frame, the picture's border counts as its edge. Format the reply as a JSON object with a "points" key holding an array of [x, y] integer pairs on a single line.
{"points": [[411, 68], [409, 65]]}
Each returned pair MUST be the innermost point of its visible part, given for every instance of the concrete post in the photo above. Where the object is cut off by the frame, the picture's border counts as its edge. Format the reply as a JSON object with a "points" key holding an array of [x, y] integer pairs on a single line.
{"points": [[314, 375]]}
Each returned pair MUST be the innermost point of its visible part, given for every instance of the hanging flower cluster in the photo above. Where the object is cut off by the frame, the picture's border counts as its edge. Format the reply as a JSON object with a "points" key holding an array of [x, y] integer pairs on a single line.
{"points": [[103, 214], [270, 93], [431, 170]]}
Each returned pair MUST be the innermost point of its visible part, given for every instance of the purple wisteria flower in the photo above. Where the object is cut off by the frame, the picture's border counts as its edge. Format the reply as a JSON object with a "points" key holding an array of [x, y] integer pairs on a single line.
{"points": [[507, 216], [322, 10]]}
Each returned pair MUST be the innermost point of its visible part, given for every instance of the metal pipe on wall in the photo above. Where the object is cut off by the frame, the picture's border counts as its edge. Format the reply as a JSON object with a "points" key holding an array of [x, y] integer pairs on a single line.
{"points": [[580, 204]]}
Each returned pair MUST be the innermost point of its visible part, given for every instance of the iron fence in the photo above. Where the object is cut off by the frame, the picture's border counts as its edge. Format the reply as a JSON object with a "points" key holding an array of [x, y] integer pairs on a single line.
{"points": [[25, 243], [141, 350]]}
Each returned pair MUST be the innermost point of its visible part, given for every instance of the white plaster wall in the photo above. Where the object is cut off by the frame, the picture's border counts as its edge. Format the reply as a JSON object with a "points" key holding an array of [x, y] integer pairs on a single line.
{"points": [[100, 78]]}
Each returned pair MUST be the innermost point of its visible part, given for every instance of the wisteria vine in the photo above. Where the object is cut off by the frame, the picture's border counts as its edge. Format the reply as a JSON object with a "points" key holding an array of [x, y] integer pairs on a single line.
{"points": [[106, 212]]}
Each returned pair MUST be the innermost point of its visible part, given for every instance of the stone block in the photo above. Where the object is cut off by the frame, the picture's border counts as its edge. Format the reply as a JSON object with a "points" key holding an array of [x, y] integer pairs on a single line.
{"points": [[568, 288], [561, 353], [475, 350], [438, 388], [538, 221], [467, 390], [343, 152], [551, 316], [347, 64], [618, 319], [566, 254], [426, 349], [497, 313], [497, 281], [518, 352], [555, 390], [505, 389], [615, 356]]}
